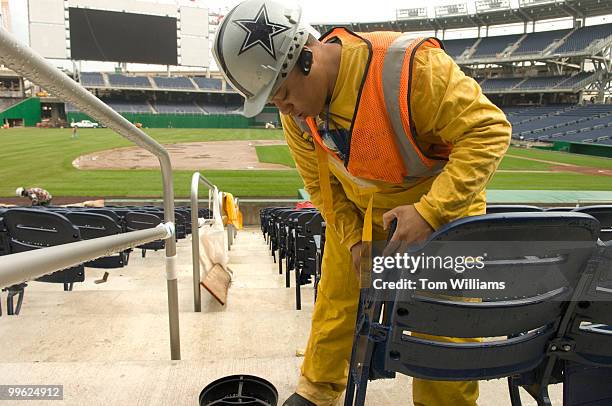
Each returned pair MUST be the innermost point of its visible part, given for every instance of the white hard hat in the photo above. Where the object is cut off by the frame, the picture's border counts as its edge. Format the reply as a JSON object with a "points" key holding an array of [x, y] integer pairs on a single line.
{"points": [[19, 191], [256, 46]]}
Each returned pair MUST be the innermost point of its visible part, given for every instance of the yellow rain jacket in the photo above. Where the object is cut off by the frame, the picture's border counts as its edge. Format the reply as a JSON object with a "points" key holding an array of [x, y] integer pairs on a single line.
{"points": [[446, 105]]}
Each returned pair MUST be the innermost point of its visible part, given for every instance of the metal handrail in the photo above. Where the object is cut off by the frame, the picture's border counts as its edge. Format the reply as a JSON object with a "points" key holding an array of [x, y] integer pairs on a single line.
{"points": [[195, 234], [23, 60], [28, 265]]}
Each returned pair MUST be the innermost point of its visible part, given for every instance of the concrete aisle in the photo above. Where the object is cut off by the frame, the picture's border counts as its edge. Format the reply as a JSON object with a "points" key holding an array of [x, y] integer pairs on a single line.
{"points": [[108, 343]]}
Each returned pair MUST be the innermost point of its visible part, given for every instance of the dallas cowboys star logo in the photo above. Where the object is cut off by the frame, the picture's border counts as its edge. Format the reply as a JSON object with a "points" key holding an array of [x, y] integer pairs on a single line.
{"points": [[260, 31]]}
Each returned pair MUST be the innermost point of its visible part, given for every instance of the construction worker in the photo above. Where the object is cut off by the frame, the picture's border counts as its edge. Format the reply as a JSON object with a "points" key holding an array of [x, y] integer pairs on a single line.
{"points": [[37, 196], [382, 126]]}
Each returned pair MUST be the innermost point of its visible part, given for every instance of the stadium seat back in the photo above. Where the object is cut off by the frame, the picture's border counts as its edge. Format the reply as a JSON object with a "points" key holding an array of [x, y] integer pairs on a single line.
{"points": [[95, 225], [136, 220], [603, 213], [589, 332], [528, 310], [31, 229], [511, 208]]}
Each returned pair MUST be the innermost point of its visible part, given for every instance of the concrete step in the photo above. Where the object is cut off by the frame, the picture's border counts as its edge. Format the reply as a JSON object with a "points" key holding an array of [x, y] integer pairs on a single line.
{"points": [[144, 337], [135, 301], [180, 382]]}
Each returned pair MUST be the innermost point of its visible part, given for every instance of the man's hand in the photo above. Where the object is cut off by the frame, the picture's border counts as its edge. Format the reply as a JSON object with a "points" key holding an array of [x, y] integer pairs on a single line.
{"points": [[356, 254], [411, 227]]}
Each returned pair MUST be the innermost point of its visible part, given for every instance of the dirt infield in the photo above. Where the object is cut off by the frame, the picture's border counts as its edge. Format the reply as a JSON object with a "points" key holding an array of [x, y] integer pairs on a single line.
{"points": [[232, 155]]}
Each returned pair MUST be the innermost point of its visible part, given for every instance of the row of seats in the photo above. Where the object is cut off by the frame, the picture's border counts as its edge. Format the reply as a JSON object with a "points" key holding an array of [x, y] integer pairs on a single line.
{"points": [[163, 82], [24, 229], [552, 323], [296, 237], [518, 84], [588, 123], [163, 107]]}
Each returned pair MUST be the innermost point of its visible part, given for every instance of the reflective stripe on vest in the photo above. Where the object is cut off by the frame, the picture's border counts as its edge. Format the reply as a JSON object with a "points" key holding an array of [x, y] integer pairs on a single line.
{"points": [[397, 76]]}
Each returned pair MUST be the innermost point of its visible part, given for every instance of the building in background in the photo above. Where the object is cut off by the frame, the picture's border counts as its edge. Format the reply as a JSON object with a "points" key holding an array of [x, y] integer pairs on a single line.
{"points": [[5, 16]]}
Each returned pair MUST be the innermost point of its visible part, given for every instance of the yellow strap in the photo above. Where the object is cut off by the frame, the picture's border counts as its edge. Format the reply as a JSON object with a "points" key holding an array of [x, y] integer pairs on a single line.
{"points": [[365, 263], [325, 185], [366, 234]]}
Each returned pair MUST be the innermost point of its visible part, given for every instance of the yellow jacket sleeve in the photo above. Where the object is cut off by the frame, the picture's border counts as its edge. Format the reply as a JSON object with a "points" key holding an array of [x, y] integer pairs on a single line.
{"points": [[349, 220], [448, 105]]}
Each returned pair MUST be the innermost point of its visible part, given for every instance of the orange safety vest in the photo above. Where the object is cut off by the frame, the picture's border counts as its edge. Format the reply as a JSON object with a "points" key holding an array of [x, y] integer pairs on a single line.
{"points": [[382, 137]]}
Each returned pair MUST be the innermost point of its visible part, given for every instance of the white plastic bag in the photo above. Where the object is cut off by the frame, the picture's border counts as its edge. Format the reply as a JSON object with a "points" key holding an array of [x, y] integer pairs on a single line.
{"points": [[213, 242]]}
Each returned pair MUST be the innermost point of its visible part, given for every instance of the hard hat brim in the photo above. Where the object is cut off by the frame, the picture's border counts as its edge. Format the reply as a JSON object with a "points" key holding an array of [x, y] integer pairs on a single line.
{"points": [[254, 105]]}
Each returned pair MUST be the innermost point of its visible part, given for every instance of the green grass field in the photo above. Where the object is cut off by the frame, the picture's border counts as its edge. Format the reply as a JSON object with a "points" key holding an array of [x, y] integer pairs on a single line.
{"points": [[43, 157], [275, 154]]}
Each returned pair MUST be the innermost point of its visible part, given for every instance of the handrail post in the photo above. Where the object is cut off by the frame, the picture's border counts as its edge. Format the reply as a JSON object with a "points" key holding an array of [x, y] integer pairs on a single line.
{"points": [[195, 243], [23, 60]]}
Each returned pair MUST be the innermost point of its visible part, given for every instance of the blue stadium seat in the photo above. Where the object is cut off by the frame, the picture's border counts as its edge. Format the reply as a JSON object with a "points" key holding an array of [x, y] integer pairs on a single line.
{"points": [[537, 42], [511, 208], [491, 46], [575, 80], [129, 106], [119, 80], [173, 82], [31, 229], [92, 79], [542, 82], [95, 225], [456, 47], [494, 84], [136, 220], [178, 108], [394, 328], [583, 37], [208, 83], [573, 123], [212, 108]]}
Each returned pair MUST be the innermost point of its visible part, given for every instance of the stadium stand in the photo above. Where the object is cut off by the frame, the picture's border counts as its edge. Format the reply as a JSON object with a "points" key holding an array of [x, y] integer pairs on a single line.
{"points": [[208, 83], [129, 106], [212, 108], [537, 42], [173, 82], [92, 79], [178, 108], [119, 80], [538, 83], [492, 46], [8, 102], [541, 82], [500, 84], [584, 37], [568, 123], [577, 79], [456, 47], [508, 68]]}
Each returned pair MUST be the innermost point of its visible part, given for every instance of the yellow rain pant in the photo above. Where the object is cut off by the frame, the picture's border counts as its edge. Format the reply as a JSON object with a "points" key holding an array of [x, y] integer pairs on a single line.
{"points": [[325, 367]]}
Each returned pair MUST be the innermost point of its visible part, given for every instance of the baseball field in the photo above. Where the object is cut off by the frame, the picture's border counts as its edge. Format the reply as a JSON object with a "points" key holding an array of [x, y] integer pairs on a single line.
{"points": [[249, 163]]}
